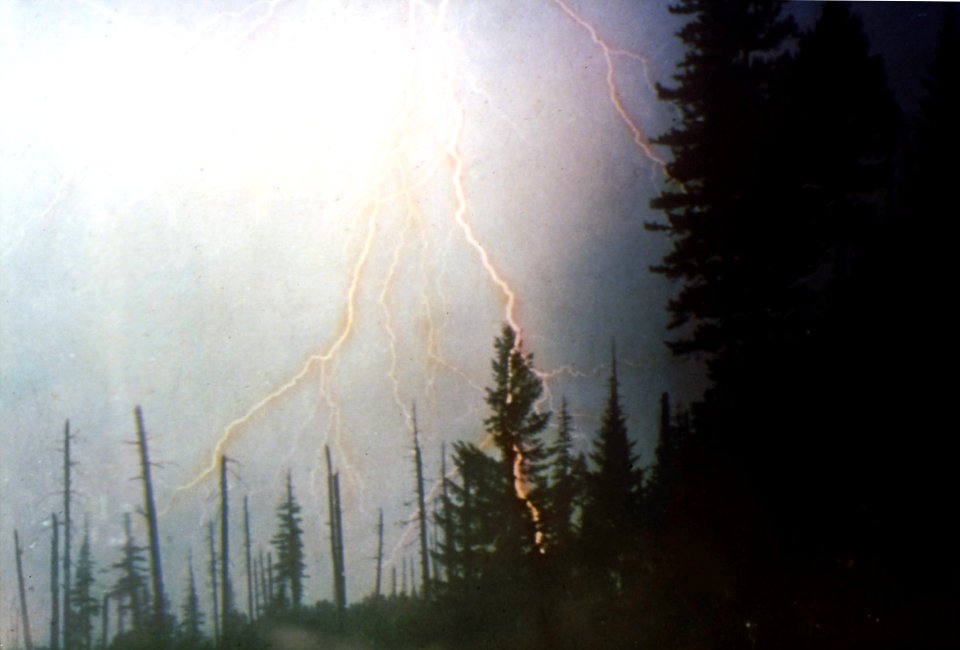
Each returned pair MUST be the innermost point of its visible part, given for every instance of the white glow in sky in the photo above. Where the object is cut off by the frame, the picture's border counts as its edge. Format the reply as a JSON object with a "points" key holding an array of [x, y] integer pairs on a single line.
{"points": [[200, 203]]}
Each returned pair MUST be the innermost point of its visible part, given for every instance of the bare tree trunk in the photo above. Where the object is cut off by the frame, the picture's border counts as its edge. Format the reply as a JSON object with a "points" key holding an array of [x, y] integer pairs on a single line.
{"points": [[251, 612], [421, 509], [379, 553], [213, 586], [24, 615], [341, 565], [393, 581], [55, 585], [105, 621], [156, 571], [67, 465], [226, 592], [336, 536]]}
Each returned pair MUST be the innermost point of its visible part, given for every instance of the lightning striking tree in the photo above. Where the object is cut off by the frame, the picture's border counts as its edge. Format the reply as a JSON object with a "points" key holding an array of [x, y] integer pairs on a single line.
{"points": [[516, 427]]}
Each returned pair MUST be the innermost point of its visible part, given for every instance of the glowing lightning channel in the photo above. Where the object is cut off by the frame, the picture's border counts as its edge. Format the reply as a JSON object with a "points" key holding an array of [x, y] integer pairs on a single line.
{"points": [[453, 150], [608, 53], [319, 359]]}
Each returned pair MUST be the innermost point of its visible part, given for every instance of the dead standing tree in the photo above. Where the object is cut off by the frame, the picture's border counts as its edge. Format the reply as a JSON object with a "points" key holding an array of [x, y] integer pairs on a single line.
{"points": [[24, 615], [67, 608], [213, 586], [55, 584], [156, 571], [336, 538], [251, 608], [421, 509], [226, 590]]}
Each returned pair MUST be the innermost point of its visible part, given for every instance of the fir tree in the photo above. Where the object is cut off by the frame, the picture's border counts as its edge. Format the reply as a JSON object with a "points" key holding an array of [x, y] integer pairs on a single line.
{"points": [[192, 618], [85, 605], [610, 518], [129, 587], [565, 489], [288, 542], [516, 427]]}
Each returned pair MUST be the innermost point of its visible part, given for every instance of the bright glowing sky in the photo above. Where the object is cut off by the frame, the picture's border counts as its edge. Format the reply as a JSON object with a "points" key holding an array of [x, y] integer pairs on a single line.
{"points": [[189, 193]]}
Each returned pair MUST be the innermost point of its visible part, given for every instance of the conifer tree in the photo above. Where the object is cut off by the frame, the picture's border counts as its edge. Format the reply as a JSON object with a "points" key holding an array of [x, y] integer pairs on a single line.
{"points": [[129, 587], [288, 543], [721, 246], [85, 605], [516, 427], [565, 485], [192, 618], [611, 514]]}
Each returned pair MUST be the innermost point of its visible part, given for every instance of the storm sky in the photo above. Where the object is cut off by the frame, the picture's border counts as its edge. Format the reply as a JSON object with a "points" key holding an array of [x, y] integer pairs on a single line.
{"points": [[203, 205], [276, 225]]}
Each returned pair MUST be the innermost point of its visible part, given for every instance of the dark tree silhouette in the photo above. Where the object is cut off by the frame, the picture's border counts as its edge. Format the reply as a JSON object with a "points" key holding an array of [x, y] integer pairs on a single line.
{"points": [[251, 610], [214, 589], [54, 583], [191, 617], [67, 527], [421, 508], [159, 600], [336, 538], [226, 586], [516, 427], [288, 543], [564, 496], [85, 605], [129, 588], [24, 612], [612, 510]]}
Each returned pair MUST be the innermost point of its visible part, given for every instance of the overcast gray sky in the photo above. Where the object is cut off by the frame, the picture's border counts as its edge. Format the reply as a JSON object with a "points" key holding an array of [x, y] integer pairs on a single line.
{"points": [[203, 204]]}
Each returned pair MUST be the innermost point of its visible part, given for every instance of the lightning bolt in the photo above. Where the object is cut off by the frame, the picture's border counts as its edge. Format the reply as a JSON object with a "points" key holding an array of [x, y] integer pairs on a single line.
{"points": [[609, 53], [398, 167]]}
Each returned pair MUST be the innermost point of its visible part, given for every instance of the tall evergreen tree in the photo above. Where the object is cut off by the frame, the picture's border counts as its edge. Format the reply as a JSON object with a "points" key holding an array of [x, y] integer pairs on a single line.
{"points": [[191, 617], [475, 516], [721, 229], [85, 605], [129, 587], [611, 514], [566, 484], [289, 545], [516, 427]]}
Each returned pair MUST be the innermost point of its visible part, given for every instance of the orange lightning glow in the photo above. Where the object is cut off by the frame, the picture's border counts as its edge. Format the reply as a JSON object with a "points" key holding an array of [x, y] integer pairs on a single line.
{"points": [[316, 360]]}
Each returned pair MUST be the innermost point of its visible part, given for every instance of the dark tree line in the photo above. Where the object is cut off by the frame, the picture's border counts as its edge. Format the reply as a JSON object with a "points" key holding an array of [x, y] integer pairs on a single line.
{"points": [[805, 214]]}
